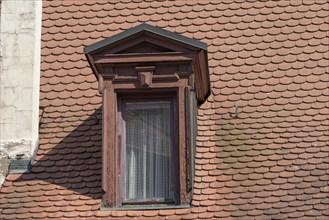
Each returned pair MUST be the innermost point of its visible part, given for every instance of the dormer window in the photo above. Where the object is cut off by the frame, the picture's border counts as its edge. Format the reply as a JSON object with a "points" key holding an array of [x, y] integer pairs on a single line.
{"points": [[149, 150], [151, 81]]}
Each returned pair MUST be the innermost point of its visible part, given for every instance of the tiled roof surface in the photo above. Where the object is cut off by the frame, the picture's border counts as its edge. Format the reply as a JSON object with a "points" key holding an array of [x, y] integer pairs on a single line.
{"points": [[270, 161]]}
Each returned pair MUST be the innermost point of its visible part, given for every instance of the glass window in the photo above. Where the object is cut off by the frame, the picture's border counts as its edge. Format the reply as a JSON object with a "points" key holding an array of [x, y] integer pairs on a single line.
{"points": [[149, 160]]}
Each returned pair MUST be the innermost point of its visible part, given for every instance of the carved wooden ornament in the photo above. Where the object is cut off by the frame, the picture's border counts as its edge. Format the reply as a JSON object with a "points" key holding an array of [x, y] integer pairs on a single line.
{"points": [[145, 75]]}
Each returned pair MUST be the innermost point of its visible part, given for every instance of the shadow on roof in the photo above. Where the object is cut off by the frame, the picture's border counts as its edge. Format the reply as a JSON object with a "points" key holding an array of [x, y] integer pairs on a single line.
{"points": [[73, 166]]}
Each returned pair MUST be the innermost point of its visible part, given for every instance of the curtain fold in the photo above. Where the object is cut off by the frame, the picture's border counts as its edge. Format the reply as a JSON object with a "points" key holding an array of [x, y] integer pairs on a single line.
{"points": [[148, 150]]}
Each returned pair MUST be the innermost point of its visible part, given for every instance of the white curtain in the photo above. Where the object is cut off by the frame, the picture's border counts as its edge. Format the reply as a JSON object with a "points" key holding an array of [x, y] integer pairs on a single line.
{"points": [[148, 150]]}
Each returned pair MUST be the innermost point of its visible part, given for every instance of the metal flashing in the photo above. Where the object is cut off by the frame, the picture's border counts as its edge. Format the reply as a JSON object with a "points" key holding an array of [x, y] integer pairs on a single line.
{"points": [[145, 27], [20, 166]]}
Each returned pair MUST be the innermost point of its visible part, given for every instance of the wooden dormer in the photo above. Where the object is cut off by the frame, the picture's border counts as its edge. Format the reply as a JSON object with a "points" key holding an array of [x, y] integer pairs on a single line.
{"points": [[171, 54], [147, 62]]}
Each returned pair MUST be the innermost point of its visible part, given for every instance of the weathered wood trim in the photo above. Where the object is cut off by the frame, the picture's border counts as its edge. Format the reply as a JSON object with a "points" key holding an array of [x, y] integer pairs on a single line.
{"points": [[136, 85], [112, 156], [140, 92], [110, 150], [155, 78], [124, 79], [172, 77], [196, 70], [182, 143], [142, 58], [149, 39], [203, 80], [100, 84], [171, 41], [107, 72], [105, 157], [92, 65], [124, 45], [188, 140], [96, 58], [115, 50], [166, 44], [121, 148]]}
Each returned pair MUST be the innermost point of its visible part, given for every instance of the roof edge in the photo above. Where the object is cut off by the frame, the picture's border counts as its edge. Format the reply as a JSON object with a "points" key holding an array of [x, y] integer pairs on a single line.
{"points": [[149, 28]]}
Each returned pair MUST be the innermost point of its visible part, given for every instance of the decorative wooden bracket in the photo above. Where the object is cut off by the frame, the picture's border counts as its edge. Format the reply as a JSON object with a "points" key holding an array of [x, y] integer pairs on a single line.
{"points": [[145, 75]]}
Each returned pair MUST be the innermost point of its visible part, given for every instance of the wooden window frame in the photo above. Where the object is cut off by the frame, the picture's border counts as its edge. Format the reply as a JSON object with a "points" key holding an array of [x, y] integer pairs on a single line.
{"points": [[145, 97], [112, 143]]}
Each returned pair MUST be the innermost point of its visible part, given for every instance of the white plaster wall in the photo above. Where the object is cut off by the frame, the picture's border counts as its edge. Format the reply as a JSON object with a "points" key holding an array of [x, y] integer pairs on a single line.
{"points": [[19, 79]]}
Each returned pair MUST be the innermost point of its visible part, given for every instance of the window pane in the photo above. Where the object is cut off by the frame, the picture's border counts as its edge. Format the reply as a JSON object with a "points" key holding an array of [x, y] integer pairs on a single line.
{"points": [[148, 150]]}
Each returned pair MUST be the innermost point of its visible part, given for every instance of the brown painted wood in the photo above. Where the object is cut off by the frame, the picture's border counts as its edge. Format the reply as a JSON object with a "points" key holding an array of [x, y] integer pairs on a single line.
{"points": [[124, 46], [136, 85], [159, 78], [142, 58], [112, 147], [167, 44], [172, 42], [105, 149], [196, 70], [90, 60], [204, 82], [109, 144], [188, 140], [182, 142], [157, 49]]}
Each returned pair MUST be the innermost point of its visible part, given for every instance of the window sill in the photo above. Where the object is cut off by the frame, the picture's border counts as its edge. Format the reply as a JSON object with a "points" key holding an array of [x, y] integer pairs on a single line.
{"points": [[145, 207]]}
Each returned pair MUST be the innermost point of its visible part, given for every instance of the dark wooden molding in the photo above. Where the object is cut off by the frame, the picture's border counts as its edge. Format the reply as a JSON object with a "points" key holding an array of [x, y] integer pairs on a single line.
{"points": [[142, 58], [188, 140], [148, 45], [110, 155], [155, 78], [182, 143], [100, 84]]}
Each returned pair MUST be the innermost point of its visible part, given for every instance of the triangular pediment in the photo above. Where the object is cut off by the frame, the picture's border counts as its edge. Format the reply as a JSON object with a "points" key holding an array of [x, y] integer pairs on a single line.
{"points": [[149, 46], [143, 43], [153, 37]]}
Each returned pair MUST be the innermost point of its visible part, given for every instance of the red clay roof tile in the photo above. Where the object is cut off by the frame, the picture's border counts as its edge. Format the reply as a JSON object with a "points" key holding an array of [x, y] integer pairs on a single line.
{"points": [[270, 57]]}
